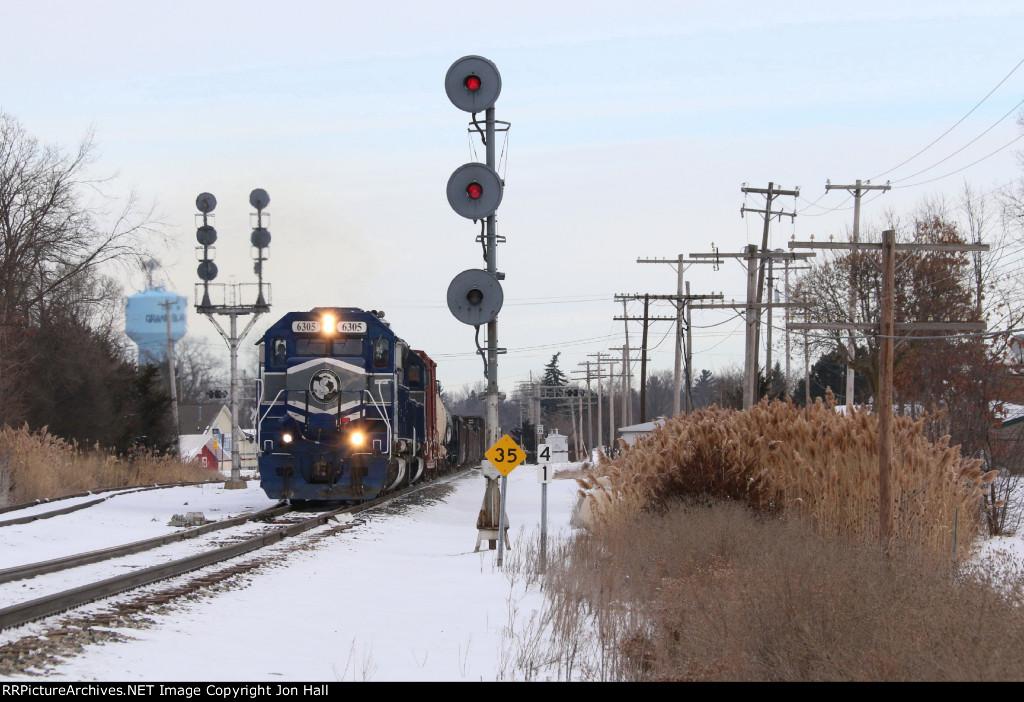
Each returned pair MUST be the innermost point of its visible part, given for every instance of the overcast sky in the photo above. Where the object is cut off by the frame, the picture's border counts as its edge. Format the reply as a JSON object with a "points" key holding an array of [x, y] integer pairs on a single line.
{"points": [[633, 129]]}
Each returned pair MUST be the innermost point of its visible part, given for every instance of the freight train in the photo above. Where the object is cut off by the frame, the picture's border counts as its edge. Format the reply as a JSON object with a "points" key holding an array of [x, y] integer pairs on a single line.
{"points": [[348, 411]]}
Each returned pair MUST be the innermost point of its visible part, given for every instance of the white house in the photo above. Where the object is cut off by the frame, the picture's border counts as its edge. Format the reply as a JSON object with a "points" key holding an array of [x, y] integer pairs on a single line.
{"points": [[629, 434], [205, 435]]}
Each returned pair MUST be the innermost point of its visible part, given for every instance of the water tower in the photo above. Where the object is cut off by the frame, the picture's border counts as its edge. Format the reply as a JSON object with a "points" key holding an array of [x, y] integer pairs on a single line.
{"points": [[153, 317]]}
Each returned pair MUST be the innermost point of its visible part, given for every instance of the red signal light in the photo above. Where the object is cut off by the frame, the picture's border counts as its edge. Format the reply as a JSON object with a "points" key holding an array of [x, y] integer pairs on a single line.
{"points": [[472, 83], [474, 190]]}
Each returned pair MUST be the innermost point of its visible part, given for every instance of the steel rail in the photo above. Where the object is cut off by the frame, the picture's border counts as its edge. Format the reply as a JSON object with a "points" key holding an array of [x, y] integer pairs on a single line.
{"points": [[25, 612], [30, 570], [126, 490]]}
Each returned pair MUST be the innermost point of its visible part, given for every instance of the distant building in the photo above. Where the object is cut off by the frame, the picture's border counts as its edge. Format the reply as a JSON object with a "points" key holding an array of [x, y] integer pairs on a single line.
{"points": [[629, 434], [1016, 346], [559, 445], [206, 437], [1008, 440]]}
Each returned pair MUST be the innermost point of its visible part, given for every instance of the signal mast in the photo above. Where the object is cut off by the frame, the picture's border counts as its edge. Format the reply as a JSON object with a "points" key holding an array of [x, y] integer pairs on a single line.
{"points": [[229, 305]]}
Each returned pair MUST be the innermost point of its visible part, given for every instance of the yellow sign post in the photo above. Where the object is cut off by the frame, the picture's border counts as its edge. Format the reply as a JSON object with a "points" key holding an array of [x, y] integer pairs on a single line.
{"points": [[505, 455]]}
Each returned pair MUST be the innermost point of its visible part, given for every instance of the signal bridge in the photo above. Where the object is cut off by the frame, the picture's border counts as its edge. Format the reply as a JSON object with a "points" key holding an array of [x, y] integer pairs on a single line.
{"points": [[560, 392]]}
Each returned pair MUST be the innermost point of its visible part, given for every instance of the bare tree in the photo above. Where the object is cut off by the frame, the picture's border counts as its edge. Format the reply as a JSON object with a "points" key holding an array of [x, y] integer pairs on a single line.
{"points": [[60, 229], [197, 370], [53, 222]]}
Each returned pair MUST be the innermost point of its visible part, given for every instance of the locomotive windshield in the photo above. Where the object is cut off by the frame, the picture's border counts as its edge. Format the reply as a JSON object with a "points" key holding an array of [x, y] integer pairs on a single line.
{"points": [[338, 347]]}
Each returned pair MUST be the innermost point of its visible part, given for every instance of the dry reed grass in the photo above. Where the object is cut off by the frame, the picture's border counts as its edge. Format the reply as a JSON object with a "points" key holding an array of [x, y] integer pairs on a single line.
{"points": [[809, 462], [714, 591], [743, 546], [37, 465]]}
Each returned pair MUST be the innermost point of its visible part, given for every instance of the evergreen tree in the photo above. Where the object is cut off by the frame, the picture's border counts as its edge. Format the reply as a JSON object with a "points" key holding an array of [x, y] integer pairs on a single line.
{"points": [[703, 391], [553, 375]]}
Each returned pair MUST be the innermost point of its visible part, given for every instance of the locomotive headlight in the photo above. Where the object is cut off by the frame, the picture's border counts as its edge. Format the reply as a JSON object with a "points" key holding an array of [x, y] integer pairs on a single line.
{"points": [[328, 324], [357, 438], [286, 438]]}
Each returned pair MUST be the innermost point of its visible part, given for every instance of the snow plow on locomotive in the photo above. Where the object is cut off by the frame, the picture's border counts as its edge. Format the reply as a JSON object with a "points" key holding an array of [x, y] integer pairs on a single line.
{"points": [[348, 411]]}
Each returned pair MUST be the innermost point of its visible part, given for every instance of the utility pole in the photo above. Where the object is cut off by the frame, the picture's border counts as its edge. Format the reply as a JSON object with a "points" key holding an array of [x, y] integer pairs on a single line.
{"points": [[851, 347], [807, 364], [752, 308], [627, 376], [166, 304], [626, 362], [768, 331], [782, 257], [590, 417], [770, 193], [887, 333], [611, 404], [601, 358], [538, 430], [679, 329], [788, 354], [679, 301], [643, 363], [886, 330], [689, 355], [625, 393]]}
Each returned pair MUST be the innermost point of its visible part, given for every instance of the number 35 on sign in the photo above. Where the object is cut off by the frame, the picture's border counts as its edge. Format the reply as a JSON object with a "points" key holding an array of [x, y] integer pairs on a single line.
{"points": [[505, 455]]}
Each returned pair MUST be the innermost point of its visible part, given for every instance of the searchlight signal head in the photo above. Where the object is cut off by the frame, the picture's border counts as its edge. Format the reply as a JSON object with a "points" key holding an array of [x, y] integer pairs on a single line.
{"points": [[474, 190], [473, 84]]}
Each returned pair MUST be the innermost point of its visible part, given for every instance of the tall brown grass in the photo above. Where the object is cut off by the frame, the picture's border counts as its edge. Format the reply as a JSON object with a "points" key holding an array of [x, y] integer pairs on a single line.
{"points": [[744, 546], [715, 591], [808, 462], [37, 465]]}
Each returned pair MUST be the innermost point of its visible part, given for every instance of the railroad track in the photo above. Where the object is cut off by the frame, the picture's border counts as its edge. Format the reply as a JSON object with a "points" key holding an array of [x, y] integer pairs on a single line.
{"points": [[31, 570], [114, 492], [56, 603]]}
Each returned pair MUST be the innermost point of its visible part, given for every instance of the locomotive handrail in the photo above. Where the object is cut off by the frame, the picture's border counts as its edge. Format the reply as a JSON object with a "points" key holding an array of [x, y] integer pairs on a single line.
{"points": [[259, 420], [272, 403], [382, 411]]}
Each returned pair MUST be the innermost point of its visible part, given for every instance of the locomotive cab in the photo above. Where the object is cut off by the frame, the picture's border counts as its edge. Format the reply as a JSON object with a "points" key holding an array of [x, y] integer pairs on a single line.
{"points": [[338, 418]]}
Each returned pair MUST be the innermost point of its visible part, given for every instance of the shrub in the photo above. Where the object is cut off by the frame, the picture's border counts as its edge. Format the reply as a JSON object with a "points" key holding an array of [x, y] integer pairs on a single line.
{"points": [[37, 465], [810, 462]]}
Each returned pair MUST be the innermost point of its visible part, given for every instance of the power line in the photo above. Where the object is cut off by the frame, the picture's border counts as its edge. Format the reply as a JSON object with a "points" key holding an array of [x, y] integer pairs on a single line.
{"points": [[925, 182], [1012, 71], [991, 127]]}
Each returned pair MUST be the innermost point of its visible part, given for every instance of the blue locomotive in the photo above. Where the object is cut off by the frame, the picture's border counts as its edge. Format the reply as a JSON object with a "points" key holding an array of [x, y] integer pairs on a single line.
{"points": [[348, 411]]}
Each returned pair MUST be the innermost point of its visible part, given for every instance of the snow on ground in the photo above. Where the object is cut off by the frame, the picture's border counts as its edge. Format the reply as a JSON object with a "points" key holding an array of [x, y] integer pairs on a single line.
{"points": [[403, 597]]}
